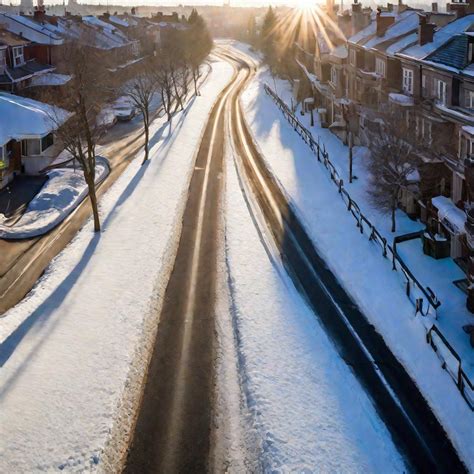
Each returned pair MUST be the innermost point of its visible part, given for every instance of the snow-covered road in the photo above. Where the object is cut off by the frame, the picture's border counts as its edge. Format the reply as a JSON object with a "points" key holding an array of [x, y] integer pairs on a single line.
{"points": [[69, 374], [353, 258], [308, 411]]}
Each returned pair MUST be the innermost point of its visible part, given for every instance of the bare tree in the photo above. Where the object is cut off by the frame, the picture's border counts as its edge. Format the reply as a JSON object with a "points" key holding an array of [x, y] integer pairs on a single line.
{"points": [[141, 90], [392, 161], [164, 81], [87, 91]]}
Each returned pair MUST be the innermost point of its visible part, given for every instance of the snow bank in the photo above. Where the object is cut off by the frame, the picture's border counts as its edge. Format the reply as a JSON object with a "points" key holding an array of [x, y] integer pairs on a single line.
{"points": [[308, 410], [356, 261], [65, 189], [71, 371]]}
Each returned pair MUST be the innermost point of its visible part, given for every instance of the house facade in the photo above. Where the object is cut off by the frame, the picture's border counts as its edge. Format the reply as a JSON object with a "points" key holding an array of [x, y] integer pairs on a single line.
{"points": [[27, 141]]}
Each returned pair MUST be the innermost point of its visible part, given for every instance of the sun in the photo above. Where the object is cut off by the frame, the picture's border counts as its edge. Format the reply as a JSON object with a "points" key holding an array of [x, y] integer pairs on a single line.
{"points": [[304, 4]]}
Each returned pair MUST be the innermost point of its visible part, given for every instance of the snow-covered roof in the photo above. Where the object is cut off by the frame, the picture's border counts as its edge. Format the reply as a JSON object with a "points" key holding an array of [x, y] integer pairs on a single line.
{"points": [[405, 23], [109, 36], [440, 37], [30, 29], [401, 99], [468, 129], [125, 21], [402, 43], [339, 51], [449, 214], [50, 79], [27, 118], [366, 33]]}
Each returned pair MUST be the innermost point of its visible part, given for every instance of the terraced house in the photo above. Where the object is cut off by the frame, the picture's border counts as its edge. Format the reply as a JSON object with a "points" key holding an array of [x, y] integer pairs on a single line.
{"points": [[419, 65]]}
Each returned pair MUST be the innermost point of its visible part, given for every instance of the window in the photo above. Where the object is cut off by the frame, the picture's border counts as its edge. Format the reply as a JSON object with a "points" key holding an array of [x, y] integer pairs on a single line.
{"points": [[380, 67], [30, 147], [408, 81], [333, 75], [18, 56], [424, 89], [46, 142], [426, 130], [469, 99], [441, 91], [353, 57]]}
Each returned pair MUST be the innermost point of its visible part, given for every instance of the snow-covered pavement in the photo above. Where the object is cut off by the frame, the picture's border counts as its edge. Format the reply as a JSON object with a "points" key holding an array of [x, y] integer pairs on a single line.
{"points": [[70, 370], [308, 412], [378, 290], [60, 195]]}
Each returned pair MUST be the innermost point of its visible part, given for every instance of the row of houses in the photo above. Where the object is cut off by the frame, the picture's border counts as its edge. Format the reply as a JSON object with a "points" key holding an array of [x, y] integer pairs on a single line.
{"points": [[419, 64], [33, 58]]}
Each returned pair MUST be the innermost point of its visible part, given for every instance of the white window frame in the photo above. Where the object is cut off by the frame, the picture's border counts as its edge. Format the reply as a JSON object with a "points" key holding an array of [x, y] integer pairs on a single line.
{"points": [[18, 53], [353, 57], [380, 67], [407, 83], [469, 99], [442, 91]]}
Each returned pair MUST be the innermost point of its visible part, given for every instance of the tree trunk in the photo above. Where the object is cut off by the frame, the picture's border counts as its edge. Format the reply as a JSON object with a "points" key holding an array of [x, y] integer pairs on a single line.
{"points": [[93, 198], [145, 122]]}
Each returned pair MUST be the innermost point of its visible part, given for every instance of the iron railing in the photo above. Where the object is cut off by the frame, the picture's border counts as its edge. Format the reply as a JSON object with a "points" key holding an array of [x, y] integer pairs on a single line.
{"points": [[417, 293]]}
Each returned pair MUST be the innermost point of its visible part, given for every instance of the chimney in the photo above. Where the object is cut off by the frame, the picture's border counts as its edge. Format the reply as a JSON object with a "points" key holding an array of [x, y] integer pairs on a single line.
{"points": [[434, 7], [356, 7], [383, 22], [39, 14], [425, 30], [458, 8]]}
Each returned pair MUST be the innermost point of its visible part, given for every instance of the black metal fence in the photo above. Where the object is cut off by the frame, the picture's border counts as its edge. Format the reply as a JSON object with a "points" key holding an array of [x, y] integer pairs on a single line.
{"points": [[423, 298]]}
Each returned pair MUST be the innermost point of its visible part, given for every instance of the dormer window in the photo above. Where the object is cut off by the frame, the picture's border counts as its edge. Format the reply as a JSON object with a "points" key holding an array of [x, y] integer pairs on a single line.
{"points": [[18, 56]]}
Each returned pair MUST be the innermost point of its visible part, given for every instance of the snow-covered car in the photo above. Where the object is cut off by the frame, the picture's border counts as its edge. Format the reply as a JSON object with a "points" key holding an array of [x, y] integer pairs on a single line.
{"points": [[124, 113]]}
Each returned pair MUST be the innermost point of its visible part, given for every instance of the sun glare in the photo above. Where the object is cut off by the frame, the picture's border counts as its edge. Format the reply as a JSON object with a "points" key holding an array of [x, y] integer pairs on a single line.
{"points": [[304, 4]]}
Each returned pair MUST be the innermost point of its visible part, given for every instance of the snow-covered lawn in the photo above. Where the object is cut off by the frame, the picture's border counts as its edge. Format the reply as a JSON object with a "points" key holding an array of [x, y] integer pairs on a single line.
{"points": [[308, 411], [357, 262], [70, 371], [61, 194]]}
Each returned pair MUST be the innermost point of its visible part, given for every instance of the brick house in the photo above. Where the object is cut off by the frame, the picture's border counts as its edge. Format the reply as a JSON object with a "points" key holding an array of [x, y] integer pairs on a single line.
{"points": [[18, 62]]}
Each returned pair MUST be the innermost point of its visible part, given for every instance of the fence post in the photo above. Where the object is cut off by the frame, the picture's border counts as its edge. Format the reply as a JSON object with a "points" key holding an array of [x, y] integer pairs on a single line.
{"points": [[341, 183], [372, 233], [394, 265], [384, 240], [408, 288]]}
